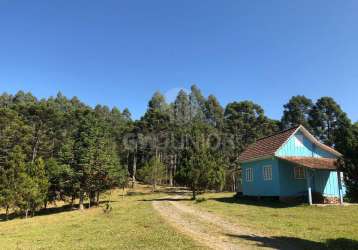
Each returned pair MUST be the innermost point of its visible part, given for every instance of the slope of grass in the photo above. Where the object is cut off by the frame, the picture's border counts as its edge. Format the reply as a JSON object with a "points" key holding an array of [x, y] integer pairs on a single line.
{"points": [[132, 224], [332, 226]]}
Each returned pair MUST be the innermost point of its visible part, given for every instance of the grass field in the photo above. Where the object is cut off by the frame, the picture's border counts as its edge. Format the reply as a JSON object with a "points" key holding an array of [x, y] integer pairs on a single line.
{"points": [[132, 224], [311, 227]]}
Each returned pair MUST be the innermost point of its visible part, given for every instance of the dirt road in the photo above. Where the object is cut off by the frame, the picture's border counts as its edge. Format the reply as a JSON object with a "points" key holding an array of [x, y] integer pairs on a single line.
{"points": [[211, 230]]}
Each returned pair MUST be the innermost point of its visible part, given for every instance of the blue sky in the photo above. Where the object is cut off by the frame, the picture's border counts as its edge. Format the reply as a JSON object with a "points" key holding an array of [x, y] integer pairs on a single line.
{"points": [[120, 52]]}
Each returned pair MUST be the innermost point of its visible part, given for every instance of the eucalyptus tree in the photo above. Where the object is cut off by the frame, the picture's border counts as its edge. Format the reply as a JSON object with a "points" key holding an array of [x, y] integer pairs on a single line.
{"points": [[197, 104]]}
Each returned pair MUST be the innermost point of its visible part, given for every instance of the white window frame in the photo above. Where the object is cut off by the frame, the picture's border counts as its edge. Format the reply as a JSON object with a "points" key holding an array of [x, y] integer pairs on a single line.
{"points": [[299, 173], [249, 175], [267, 172]]}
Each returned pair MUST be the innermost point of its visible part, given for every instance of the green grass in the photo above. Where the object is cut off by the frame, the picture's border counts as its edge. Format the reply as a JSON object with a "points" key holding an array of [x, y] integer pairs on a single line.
{"points": [[132, 224], [310, 226]]}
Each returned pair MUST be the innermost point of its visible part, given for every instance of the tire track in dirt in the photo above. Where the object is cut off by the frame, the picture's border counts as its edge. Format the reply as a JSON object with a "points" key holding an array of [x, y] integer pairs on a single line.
{"points": [[208, 229]]}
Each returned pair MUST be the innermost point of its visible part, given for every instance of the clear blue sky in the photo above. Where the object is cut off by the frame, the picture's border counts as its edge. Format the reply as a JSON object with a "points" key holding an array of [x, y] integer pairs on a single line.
{"points": [[120, 52]]}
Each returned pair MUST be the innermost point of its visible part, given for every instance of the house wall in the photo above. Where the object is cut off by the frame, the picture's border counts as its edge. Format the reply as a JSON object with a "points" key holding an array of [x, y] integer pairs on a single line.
{"points": [[259, 186], [322, 181], [301, 146], [326, 182], [289, 185]]}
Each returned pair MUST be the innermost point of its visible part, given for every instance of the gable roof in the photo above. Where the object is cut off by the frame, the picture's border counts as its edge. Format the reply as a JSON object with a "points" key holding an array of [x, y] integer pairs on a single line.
{"points": [[268, 146]]}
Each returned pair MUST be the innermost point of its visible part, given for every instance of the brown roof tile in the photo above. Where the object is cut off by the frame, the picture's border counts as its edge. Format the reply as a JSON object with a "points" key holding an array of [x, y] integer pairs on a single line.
{"points": [[312, 162], [266, 146]]}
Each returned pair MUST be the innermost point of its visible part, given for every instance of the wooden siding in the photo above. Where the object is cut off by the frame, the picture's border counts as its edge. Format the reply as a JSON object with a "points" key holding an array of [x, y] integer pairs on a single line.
{"points": [[258, 186], [322, 181], [289, 185], [299, 145], [326, 182]]}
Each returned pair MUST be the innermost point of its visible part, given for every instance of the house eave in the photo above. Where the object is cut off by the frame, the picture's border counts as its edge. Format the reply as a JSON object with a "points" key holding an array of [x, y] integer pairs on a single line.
{"points": [[258, 159], [318, 143]]}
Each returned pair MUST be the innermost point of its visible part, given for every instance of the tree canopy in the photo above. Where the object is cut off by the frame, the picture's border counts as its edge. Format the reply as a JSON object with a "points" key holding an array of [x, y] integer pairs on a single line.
{"points": [[62, 149]]}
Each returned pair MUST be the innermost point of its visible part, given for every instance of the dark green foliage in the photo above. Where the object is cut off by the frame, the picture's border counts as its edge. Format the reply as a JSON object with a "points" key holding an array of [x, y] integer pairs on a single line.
{"points": [[349, 164], [61, 149], [57, 149], [246, 122], [201, 171], [329, 123], [297, 112], [153, 172]]}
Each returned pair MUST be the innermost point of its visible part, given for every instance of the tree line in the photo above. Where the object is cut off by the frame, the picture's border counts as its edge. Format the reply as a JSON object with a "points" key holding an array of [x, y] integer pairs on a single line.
{"points": [[57, 149], [62, 149], [199, 141]]}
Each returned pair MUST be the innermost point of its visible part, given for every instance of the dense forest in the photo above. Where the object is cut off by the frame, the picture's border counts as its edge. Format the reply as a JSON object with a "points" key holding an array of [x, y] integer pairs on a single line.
{"points": [[62, 149]]}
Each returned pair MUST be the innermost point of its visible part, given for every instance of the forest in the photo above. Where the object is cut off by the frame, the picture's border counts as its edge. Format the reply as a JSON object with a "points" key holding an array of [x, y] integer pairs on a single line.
{"points": [[60, 149]]}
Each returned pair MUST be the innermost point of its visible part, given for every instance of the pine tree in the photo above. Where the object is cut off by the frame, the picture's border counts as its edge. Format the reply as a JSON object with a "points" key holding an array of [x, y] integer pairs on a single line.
{"points": [[153, 172], [329, 123], [296, 112]]}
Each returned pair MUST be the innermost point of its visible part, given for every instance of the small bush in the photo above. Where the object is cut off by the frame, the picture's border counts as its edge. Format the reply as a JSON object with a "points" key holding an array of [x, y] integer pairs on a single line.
{"points": [[200, 199], [107, 208]]}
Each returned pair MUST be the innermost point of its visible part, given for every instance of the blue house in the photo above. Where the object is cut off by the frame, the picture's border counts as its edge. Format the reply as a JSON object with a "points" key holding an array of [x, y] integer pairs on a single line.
{"points": [[291, 164]]}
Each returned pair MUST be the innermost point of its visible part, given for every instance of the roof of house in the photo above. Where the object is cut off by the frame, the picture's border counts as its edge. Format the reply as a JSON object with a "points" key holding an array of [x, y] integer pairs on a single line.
{"points": [[268, 146], [312, 162]]}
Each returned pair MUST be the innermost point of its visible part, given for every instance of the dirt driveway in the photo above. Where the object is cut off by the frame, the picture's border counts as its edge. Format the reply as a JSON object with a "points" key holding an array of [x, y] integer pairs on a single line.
{"points": [[210, 230]]}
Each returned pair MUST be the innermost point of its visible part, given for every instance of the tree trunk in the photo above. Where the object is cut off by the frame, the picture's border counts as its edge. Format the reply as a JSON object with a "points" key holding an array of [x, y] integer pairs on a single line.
{"points": [[110, 196], [34, 150], [234, 182], [37, 142], [171, 171], [26, 213], [134, 168], [97, 198], [7, 212], [154, 186], [128, 163], [194, 193], [174, 168], [81, 200], [73, 200], [92, 198]]}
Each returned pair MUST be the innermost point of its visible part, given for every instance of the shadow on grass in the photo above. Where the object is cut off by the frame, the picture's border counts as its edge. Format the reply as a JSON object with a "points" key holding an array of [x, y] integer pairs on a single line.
{"points": [[166, 199], [50, 211], [41, 212], [289, 243], [263, 202], [133, 193]]}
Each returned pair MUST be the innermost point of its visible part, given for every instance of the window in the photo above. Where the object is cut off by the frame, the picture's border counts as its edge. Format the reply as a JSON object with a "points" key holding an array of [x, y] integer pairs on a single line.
{"points": [[249, 175], [299, 173], [299, 141], [267, 172]]}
